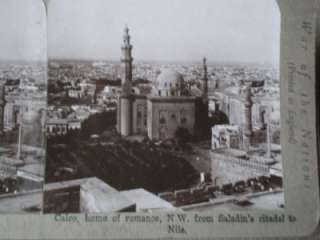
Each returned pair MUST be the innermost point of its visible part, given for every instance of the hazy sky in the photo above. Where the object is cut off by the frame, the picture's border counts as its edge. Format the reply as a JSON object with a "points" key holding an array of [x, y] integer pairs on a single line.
{"points": [[22, 30], [222, 30]]}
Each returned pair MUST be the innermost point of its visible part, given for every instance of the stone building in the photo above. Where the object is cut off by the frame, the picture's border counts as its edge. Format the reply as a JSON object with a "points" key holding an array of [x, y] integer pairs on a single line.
{"points": [[248, 147], [20, 108], [91, 195], [60, 127], [251, 113], [169, 106], [226, 136], [232, 102], [232, 165]]}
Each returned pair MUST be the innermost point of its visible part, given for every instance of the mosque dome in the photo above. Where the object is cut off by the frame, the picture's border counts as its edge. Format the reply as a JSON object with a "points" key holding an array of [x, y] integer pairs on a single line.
{"points": [[169, 83]]}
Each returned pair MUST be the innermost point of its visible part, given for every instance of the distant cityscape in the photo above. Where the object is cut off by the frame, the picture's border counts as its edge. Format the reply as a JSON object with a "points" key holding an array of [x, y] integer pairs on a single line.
{"points": [[139, 136], [163, 136], [181, 113]]}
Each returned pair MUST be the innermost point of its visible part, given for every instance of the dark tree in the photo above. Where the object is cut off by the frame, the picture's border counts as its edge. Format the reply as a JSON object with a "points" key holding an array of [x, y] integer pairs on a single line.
{"points": [[98, 123], [140, 81], [182, 135], [218, 117]]}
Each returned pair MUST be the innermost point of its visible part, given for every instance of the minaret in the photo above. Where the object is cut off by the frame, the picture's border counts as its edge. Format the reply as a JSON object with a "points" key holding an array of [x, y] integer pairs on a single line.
{"points": [[19, 141], [268, 132], [2, 105], [126, 63], [124, 115], [248, 119], [202, 126], [205, 79]]}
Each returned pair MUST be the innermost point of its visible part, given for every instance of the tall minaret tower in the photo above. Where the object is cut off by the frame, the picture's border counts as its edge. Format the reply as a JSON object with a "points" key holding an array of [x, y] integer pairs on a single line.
{"points": [[247, 133], [2, 105], [126, 63], [205, 80], [124, 114], [202, 128]]}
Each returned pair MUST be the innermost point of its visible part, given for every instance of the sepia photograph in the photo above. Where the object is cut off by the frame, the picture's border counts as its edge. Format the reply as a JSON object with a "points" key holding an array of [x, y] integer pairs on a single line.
{"points": [[23, 98], [163, 106], [148, 119]]}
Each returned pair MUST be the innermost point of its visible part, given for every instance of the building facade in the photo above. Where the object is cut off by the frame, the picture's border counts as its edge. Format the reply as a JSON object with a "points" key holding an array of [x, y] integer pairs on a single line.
{"points": [[168, 107]]}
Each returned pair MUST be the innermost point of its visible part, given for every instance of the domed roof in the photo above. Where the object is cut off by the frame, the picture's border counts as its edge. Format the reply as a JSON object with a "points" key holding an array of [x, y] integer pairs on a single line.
{"points": [[169, 79]]}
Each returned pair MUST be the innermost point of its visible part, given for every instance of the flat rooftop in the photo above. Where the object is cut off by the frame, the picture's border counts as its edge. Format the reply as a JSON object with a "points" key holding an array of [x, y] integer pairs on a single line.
{"points": [[95, 195], [76, 182], [145, 200], [98, 197]]}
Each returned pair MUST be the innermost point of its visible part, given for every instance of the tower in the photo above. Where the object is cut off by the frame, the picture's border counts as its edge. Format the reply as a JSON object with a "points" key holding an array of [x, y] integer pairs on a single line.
{"points": [[205, 79], [202, 127], [124, 114], [126, 63], [247, 132], [2, 105], [19, 146]]}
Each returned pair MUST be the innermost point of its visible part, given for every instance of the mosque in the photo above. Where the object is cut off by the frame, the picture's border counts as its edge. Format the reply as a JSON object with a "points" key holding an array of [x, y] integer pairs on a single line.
{"points": [[168, 107]]}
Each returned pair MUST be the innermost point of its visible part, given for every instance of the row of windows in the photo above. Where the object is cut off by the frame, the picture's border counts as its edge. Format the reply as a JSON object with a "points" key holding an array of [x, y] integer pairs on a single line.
{"points": [[170, 84], [168, 93], [163, 120]]}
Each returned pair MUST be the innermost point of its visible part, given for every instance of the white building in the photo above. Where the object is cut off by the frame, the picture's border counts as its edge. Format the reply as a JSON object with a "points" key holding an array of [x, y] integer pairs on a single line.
{"points": [[226, 136]]}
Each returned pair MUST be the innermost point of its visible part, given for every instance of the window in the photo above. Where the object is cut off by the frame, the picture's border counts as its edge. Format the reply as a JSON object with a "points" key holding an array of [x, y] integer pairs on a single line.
{"points": [[162, 120], [139, 117]]}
